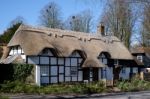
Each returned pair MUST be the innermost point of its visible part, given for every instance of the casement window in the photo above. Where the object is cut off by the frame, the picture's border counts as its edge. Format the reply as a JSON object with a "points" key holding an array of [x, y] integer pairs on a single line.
{"points": [[116, 62], [140, 58], [73, 71], [44, 70], [103, 59]]}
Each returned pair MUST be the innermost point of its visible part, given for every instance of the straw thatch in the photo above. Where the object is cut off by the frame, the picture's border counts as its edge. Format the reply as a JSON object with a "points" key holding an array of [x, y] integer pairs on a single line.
{"points": [[33, 40], [6, 51], [140, 50]]}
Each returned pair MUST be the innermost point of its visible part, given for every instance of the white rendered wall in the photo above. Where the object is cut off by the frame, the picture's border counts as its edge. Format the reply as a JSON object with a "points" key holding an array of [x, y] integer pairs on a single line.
{"points": [[126, 74], [109, 73], [17, 50], [56, 69], [135, 70], [33, 60], [11, 52], [105, 71], [37, 75]]}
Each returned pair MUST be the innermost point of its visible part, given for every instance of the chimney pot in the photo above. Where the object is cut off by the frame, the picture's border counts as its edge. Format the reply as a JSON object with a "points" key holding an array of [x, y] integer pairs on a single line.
{"points": [[101, 29]]}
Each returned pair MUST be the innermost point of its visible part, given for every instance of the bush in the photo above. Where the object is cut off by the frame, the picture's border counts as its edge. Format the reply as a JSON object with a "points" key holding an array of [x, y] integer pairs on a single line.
{"points": [[134, 85], [3, 97], [22, 71], [96, 87], [20, 87]]}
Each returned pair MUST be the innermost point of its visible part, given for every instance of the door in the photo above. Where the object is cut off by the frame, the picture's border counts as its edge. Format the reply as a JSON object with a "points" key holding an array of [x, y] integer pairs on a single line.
{"points": [[90, 74]]}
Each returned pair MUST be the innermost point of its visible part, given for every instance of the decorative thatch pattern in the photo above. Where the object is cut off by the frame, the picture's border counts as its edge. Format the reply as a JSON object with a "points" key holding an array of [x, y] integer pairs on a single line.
{"points": [[34, 40]]}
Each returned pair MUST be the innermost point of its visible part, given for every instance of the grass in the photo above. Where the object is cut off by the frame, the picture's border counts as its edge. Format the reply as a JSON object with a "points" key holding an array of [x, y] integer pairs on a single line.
{"points": [[64, 88], [4, 97], [76, 88]]}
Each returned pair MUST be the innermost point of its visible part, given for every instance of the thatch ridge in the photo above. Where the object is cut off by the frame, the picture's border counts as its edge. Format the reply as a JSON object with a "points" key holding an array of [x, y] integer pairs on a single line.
{"points": [[34, 39]]}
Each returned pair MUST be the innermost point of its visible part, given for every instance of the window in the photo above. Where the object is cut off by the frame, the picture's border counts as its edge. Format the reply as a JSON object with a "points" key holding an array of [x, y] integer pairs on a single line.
{"points": [[73, 71], [116, 62], [103, 59], [45, 51], [140, 58], [44, 70]]}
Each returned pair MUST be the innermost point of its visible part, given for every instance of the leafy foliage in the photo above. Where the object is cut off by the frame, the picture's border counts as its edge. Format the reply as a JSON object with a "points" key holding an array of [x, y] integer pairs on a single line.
{"points": [[135, 85], [64, 88], [7, 35], [3, 97], [22, 71], [75, 88]]}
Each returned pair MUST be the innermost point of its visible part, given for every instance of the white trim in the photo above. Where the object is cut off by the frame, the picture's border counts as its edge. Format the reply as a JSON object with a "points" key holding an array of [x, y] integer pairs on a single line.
{"points": [[37, 75]]}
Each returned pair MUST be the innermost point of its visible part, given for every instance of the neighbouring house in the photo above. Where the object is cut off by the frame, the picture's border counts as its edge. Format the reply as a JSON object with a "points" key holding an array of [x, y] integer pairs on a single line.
{"points": [[69, 56], [142, 54]]}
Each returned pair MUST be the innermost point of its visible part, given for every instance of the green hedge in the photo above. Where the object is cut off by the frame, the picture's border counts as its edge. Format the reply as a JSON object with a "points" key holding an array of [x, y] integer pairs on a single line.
{"points": [[21, 71], [64, 88], [12, 72], [136, 84]]}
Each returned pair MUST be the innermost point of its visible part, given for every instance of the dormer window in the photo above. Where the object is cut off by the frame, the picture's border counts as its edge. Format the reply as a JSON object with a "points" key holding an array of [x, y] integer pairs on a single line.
{"points": [[45, 51], [103, 58], [140, 58]]}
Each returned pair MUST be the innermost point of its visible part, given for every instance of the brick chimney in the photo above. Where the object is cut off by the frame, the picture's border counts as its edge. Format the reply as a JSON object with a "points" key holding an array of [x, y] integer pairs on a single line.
{"points": [[101, 29]]}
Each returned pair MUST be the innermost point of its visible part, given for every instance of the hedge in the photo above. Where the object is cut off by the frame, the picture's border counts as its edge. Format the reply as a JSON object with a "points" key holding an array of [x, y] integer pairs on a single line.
{"points": [[11, 72]]}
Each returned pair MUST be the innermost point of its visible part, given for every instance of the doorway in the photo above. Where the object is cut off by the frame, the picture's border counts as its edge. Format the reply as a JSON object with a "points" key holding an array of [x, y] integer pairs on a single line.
{"points": [[90, 74]]}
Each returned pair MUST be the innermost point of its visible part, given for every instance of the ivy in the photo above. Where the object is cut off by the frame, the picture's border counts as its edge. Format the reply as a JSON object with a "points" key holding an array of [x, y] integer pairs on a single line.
{"points": [[22, 71]]}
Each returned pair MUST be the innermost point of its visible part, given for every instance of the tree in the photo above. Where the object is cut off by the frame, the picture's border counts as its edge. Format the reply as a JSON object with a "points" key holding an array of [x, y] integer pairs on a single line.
{"points": [[119, 20], [50, 16], [80, 22], [145, 33], [7, 35]]}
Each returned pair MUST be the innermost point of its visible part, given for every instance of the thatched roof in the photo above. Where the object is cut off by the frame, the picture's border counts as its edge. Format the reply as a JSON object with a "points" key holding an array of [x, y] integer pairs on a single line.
{"points": [[140, 50], [34, 39], [5, 52], [12, 59]]}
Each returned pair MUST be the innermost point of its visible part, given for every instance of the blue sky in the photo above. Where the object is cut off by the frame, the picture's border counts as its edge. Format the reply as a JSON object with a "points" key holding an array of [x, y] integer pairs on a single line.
{"points": [[30, 10]]}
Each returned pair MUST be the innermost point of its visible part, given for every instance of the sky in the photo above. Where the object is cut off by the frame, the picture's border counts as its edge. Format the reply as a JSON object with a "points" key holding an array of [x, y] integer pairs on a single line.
{"points": [[30, 10]]}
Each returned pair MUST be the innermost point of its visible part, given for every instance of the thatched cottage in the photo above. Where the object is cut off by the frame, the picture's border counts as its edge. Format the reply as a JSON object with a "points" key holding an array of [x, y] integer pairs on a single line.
{"points": [[68, 56], [142, 54]]}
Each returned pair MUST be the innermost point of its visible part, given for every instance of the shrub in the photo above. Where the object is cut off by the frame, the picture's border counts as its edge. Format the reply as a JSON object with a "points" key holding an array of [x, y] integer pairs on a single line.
{"points": [[96, 87], [134, 85], [21, 71], [20, 87], [3, 97]]}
